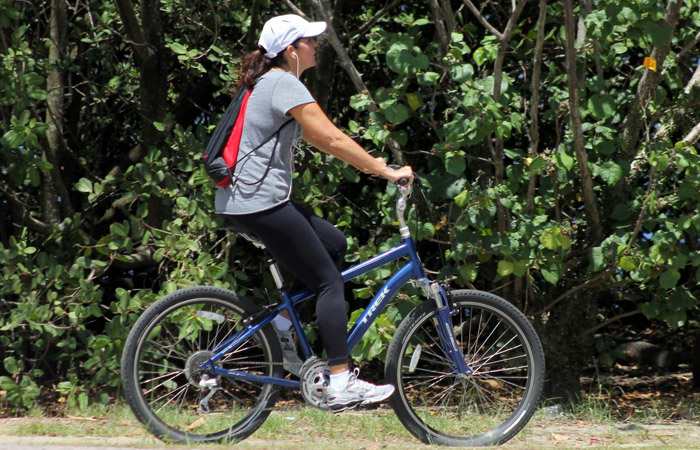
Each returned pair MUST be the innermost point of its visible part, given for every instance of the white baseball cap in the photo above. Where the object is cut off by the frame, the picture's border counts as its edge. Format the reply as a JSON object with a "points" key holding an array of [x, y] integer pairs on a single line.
{"points": [[282, 31]]}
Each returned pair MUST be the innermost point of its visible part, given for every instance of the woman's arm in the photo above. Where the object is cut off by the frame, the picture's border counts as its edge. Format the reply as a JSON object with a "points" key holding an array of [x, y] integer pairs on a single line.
{"points": [[320, 132]]}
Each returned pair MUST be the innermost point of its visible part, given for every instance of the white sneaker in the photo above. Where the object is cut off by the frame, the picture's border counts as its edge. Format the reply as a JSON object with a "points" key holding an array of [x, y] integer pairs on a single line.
{"points": [[292, 362], [356, 393]]}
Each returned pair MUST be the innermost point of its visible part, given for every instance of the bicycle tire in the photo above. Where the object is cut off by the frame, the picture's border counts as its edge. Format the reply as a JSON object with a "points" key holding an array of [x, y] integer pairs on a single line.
{"points": [[488, 407], [160, 368]]}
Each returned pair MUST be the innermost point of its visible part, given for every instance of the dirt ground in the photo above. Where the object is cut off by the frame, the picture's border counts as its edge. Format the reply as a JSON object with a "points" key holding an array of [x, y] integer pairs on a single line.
{"points": [[543, 432]]}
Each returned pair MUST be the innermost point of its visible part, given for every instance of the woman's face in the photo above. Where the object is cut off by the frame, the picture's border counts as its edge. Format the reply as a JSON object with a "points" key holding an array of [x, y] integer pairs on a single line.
{"points": [[306, 52]]}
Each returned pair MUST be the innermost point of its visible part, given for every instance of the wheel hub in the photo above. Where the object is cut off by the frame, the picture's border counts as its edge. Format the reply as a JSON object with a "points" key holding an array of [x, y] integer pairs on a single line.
{"points": [[192, 369]]}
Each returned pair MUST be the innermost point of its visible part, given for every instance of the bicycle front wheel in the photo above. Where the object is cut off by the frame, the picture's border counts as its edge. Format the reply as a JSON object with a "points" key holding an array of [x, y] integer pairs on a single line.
{"points": [[488, 406], [161, 375]]}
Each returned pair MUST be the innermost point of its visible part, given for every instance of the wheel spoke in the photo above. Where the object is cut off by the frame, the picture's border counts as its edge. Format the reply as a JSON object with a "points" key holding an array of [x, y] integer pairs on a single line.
{"points": [[168, 351], [476, 408]]}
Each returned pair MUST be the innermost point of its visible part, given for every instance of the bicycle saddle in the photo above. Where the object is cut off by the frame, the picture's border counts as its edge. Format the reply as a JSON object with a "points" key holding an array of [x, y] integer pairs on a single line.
{"points": [[251, 237]]}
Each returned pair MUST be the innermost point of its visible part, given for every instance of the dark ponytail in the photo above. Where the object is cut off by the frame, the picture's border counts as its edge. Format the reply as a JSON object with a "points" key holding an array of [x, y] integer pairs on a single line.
{"points": [[255, 64]]}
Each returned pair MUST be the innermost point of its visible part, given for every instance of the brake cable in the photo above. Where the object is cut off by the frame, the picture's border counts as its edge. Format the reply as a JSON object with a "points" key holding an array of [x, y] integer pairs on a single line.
{"points": [[422, 189]]}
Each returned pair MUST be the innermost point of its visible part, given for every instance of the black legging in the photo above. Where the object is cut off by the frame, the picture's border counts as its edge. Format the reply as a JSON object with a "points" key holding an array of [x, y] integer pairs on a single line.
{"points": [[312, 249]]}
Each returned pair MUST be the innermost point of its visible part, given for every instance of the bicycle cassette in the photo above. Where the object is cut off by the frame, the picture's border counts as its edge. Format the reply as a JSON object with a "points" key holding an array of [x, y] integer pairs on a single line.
{"points": [[314, 378]]}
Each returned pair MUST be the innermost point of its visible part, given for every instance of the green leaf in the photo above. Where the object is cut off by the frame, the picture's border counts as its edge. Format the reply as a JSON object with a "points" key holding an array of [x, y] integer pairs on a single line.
{"points": [[601, 106], [428, 78], [34, 176], [396, 113], [469, 272], [406, 59], [462, 198], [551, 276], [43, 164], [82, 400], [13, 139], [669, 279], [462, 73], [659, 33], [360, 102], [535, 164], [627, 263], [456, 165], [564, 161], [520, 267], [553, 239], [651, 310], [505, 268], [119, 229], [675, 319], [178, 48], [11, 365], [84, 185], [619, 48], [610, 172], [415, 101]]}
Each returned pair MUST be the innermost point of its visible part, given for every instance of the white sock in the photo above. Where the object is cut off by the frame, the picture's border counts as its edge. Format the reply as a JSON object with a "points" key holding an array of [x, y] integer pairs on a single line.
{"points": [[282, 323], [340, 381]]}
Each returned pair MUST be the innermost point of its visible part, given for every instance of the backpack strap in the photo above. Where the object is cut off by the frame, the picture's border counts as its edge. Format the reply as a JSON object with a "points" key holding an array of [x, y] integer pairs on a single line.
{"points": [[250, 153]]}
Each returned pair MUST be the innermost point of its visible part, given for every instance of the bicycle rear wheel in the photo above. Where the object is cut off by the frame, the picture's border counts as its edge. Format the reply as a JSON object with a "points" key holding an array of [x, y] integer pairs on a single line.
{"points": [[487, 407], [161, 375]]}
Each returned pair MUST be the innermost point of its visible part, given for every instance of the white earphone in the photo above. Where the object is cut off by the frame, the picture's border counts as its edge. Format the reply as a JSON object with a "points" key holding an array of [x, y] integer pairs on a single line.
{"points": [[295, 55]]}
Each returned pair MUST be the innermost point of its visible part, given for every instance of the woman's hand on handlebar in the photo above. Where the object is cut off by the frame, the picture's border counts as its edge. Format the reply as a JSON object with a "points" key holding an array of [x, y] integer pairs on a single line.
{"points": [[396, 175]]}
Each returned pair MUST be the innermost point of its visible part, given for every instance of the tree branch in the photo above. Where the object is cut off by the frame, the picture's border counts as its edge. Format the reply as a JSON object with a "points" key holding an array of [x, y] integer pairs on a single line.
{"points": [[694, 81], [607, 322], [133, 29], [26, 217], [367, 26], [588, 283], [589, 197], [347, 64], [440, 26], [632, 124], [535, 102], [688, 47], [483, 20], [692, 137]]}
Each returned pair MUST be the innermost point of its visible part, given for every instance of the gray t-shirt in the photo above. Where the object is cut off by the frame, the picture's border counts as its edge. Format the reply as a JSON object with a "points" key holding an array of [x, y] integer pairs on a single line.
{"points": [[275, 93]]}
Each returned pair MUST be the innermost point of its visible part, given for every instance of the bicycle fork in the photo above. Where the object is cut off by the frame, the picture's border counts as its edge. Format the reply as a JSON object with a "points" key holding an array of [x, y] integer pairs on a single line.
{"points": [[444, 326]]}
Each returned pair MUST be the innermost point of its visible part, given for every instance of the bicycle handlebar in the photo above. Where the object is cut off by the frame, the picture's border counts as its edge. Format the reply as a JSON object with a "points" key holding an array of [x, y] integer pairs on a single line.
{"points": [[402, 181], [405, 188]]}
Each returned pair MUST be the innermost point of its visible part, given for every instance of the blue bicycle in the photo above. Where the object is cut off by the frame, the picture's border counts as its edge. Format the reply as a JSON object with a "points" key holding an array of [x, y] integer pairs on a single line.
{"points": [[204, 364]]}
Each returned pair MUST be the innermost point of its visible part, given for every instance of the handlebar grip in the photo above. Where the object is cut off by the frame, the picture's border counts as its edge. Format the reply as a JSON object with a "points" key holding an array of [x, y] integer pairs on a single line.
{"points": [[402, 181]]}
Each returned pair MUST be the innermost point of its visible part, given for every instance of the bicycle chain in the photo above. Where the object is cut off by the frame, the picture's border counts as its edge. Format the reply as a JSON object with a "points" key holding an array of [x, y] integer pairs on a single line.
{"points": [[264, 363]]}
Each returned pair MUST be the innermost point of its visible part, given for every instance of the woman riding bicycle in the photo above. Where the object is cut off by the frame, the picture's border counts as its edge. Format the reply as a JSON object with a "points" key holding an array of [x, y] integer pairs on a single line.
{"points": [[257, 201]]}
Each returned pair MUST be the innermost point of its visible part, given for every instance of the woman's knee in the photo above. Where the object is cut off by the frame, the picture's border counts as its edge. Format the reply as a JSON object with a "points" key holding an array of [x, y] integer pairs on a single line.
{"points": [[338, 247]]}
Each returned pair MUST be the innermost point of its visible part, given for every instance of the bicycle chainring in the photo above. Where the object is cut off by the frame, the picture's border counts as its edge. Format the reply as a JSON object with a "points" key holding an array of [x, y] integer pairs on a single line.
{"points": [[314, 377]]}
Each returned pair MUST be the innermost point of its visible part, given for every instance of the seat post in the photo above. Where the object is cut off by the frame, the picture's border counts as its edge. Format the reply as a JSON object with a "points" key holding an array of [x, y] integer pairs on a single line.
{"points": [[271, 263], [276, 273]]}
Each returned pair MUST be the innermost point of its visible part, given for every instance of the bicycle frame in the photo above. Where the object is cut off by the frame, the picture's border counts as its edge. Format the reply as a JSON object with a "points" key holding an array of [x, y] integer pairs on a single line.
{"points": [[412, 270]]}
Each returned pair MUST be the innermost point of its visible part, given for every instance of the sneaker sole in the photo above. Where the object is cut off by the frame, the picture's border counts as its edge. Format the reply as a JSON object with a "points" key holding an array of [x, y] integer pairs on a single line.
{"points": [[340, 408]]}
